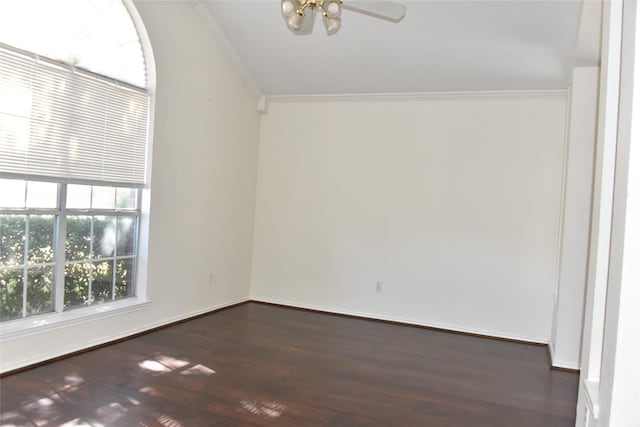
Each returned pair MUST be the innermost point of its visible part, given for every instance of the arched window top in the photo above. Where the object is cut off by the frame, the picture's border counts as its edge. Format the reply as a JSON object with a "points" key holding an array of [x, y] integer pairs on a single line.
{"points": [[95, 35]]}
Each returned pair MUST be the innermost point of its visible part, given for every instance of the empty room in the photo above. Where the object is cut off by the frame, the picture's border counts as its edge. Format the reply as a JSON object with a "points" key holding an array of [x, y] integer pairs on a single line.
{"points": [[319, 213]]}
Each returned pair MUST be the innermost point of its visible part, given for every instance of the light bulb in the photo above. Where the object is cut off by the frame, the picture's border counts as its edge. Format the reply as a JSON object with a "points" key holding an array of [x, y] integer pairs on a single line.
{"points": [[287, 7], [294, 21], [331, 24], [333, 8]]}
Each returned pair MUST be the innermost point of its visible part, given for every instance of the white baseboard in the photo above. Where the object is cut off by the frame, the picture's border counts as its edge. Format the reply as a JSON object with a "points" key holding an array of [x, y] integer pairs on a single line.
{"points": [[559, 363], [443, 327], [149, 326], [209, 309], [110, 338], [565, 365]]}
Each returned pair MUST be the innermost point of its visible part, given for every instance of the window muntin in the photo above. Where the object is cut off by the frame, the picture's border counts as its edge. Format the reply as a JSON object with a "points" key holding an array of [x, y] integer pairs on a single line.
{"points": [[74, 109], [98, 197], [100, 254], [100, 246], [26, 265]]}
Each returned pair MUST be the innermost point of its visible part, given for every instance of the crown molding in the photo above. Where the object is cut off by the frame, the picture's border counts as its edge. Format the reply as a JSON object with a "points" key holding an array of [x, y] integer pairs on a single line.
{"points": [[215, 28], [414, 96]]}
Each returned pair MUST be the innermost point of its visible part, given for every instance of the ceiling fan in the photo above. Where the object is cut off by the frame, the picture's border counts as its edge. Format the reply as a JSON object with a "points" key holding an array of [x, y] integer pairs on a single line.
{"points": [[300, 14]]}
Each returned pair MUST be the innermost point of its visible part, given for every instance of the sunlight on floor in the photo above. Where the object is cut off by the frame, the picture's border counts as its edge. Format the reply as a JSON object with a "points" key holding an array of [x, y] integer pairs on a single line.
{"points": [[163, 364], [150, 391], [172, 362], [80, 423], [134, 401], [111, 413], [153, 366], [11, 419], [167, 421], [71, 389], [266, 409], [198, 370], [40, 410]]}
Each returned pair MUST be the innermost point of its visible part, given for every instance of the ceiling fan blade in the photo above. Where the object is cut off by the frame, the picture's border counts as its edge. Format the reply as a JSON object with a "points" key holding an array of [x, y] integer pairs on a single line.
{"points": [[306, 27], [387, 10]]}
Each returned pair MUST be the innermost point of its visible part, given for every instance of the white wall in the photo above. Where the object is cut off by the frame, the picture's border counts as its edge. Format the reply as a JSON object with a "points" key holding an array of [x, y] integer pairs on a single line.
{"points": [[620, 375], [203, 187], [566, 334], [452, 202], [588, 406]]}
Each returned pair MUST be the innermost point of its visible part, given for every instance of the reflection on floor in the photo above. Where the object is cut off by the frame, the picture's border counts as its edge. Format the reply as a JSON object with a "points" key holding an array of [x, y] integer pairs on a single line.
{"points": [[256, 364]]}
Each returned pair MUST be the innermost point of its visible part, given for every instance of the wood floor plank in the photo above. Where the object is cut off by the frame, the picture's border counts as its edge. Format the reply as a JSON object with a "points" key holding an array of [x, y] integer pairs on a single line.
{"points": [[260, 365]]}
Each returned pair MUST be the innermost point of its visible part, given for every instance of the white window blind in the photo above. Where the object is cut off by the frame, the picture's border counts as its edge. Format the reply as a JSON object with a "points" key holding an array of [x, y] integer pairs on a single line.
{"points": [[65, 124]]}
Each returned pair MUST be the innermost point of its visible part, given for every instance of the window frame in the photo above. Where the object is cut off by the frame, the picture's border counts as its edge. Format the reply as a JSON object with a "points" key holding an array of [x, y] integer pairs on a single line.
{"points": [[59, 314], [37, 325], [25, 266]]}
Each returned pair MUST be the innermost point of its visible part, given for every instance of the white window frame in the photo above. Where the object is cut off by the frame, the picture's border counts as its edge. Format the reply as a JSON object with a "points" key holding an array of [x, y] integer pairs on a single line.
{"points": [[48, 322], [59, 316]]}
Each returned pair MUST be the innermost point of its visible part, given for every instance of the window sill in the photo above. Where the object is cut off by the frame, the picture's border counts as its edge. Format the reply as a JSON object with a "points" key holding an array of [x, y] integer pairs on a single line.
{"points": [[38, 324]]}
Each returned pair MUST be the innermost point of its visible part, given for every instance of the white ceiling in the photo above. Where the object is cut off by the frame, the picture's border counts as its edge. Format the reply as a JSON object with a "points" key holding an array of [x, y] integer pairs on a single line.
{"points": [[440, 46]]}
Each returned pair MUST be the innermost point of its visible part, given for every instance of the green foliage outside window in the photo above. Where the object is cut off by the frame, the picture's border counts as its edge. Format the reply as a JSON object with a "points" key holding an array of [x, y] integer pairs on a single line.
{"points": [[110, 234]]}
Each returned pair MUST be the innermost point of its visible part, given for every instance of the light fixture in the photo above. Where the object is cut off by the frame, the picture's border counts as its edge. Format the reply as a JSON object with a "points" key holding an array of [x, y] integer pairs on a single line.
{"points": [[291, 15], [300, 14], [295, 21], [331, 11], [287, 7]]}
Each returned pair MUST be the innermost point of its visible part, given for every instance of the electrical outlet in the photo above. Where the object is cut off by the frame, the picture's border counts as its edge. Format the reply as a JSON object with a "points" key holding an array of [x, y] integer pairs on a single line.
{"points": [[378, 286], [211, 278]]}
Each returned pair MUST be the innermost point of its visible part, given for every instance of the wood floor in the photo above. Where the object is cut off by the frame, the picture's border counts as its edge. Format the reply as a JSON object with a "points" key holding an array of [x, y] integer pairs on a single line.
{"points": [[260, 365]]}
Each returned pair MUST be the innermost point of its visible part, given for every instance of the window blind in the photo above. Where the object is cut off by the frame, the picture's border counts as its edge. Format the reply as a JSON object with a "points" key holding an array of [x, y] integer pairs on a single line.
{"points": [[69, 125]]}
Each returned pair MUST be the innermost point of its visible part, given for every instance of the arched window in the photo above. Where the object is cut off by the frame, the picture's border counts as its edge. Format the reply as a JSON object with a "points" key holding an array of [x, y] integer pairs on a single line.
{"points": [[74, 115], [97, 36]]}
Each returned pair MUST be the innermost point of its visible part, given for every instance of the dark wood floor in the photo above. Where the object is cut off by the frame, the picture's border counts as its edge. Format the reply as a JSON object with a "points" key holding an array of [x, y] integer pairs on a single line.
{"points": [[257, 365]]}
